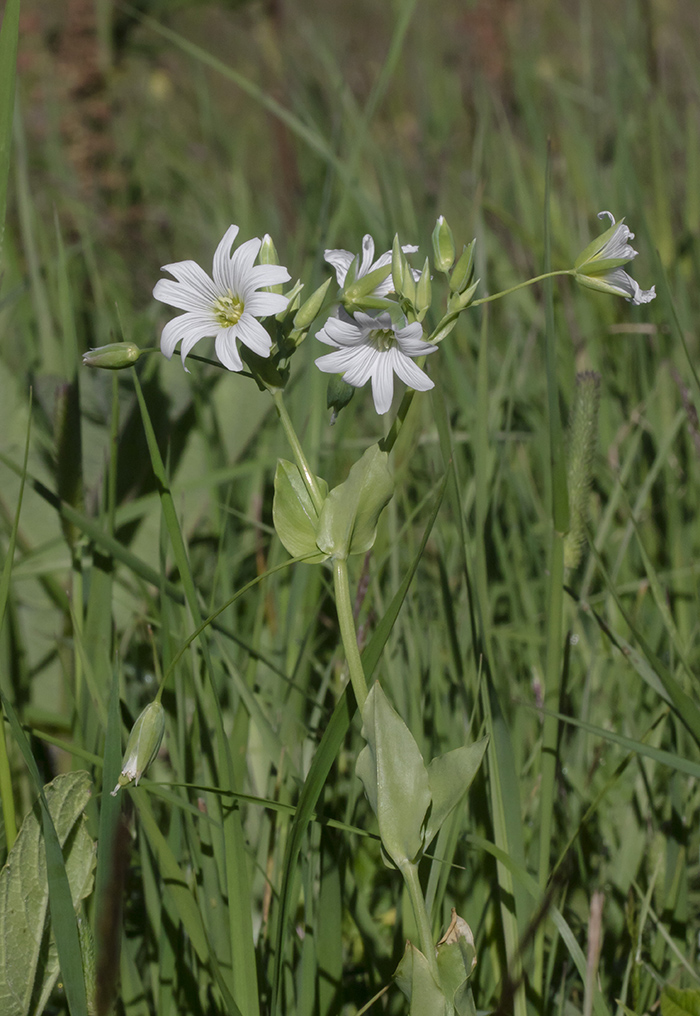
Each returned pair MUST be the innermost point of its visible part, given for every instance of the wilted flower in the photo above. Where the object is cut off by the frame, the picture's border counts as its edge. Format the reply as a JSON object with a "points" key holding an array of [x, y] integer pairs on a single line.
{"points": [[342, 259], [227, 306], [598, 266], [143, 745], [373, 347]]}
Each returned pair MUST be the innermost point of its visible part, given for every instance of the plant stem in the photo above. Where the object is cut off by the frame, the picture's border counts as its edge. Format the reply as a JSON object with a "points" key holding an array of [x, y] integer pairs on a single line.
{"points": [[343, 605], [522, 285], [295, 444], [420, 912]]}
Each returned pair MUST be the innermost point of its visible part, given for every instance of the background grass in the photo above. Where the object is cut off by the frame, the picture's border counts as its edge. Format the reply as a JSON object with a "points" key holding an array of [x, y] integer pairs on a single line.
{"points": [[139, 135]]}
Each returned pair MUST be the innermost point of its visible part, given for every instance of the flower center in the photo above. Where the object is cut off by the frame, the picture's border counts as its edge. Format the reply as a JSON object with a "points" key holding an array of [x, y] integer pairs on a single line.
{"points": [[382, 339], [228, 309]]}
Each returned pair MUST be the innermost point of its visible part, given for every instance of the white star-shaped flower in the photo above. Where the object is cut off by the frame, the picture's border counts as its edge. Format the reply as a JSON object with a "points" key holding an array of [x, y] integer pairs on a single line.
{"points": [[598, 266], [224, 307], [342, 259], [373, 347]]}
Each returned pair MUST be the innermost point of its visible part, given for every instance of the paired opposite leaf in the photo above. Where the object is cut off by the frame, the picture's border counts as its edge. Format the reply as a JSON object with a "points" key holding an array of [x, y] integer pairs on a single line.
{"points": [[348, 520], [293, 512]]}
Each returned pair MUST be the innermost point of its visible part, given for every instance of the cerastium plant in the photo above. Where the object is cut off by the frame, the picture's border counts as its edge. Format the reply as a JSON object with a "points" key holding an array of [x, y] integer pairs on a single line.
{"points": [[377, 331]]}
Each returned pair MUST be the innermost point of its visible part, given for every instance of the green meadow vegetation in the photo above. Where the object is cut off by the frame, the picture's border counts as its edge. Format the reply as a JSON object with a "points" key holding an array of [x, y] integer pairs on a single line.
{"points": [[515, 573]]}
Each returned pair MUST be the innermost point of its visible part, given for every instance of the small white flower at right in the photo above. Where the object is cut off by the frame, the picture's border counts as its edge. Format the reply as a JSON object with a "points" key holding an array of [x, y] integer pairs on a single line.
{"points": [[342, 259], [598, 266], [373, 347]]}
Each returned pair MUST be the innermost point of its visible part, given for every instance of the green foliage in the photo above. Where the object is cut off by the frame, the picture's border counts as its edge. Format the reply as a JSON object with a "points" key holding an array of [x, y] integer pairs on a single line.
{"points": [[348, 520]]}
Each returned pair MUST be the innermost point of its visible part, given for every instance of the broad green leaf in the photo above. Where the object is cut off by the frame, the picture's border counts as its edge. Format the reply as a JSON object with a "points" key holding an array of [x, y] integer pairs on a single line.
{"points": [[414, 978], [348, 520], [28, 957], [679, 1002], [293, 512], [394, 776], [450, 777]]}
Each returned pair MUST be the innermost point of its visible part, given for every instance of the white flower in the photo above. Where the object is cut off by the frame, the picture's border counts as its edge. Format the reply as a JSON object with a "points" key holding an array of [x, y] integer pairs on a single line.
{"points": [[598, 266], [342, 259], [373, 347], [227, 306]]}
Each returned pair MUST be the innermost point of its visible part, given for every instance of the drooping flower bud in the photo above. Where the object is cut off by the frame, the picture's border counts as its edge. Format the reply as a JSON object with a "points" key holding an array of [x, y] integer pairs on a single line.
{"points": [[114, 356], [143, 744]]}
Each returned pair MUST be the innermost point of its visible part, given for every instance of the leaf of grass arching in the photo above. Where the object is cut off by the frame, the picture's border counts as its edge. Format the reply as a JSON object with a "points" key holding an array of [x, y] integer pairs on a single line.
{"points": [[9, 34], [63, 918], [327, 752]]}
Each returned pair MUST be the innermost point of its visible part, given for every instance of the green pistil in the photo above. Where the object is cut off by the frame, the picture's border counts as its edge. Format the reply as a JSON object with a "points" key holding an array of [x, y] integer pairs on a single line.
{"points": [[382, 339], [228, 309]]}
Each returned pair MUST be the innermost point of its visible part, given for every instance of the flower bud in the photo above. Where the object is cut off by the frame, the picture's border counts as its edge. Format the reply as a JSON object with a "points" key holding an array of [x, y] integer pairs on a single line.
{"points": [[114, 356], [269, 256], [424, 290], [462, 273], [310, 308], [143, 744], [443, 245]]}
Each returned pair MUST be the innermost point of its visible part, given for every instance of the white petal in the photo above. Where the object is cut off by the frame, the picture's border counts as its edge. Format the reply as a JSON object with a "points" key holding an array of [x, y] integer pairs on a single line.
{"points": [[382, 384], [193, 290], [342, 333], [610, 215], [226, 349], [253, 335], [369, 321], [188, 343], [409, 372], [336, 362], [241, 264], [363, 365], [264, 304], [625, 285], [617, 246], [367, 255], [265, 275], [341, 261], [186, 327], [222, 258]]}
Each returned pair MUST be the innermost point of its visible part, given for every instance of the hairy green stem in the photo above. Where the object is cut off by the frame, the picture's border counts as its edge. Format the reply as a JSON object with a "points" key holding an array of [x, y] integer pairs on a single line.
{"points": [[343, 605], [301, 461], [420, 912]]}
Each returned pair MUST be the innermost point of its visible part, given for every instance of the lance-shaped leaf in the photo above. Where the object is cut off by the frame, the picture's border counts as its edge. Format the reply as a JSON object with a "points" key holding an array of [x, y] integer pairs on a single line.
{"points": [[293, 512], [456, 958], [414, 978], [679, 1001], [348, 520], [395, 779], [450, 777], [28, 957]]}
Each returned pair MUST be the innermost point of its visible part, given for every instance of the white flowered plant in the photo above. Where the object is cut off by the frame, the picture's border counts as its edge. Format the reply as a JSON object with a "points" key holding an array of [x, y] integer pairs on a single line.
{"points": [[341, 260], [598, 266], [225, 307], [374, 347]]}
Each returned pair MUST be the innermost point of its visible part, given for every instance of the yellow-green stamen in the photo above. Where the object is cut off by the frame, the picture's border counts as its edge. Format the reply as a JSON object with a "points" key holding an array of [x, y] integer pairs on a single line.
{"points": [[228, 309], [382, 339]]}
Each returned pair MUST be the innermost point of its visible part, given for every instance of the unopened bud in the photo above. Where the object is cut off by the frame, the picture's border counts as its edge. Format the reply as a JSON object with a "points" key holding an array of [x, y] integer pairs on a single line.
{"points": [[309, 309], [462, 273], [443, 245], [114, 356], [424, 289], [143, 744], [269, 256]]}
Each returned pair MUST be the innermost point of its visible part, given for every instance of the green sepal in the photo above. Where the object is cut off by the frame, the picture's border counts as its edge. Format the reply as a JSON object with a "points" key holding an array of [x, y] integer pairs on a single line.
{"points": [[599, 284], [463, 270], [362, 287], [350, 513], [449, 778], [424, 294], [415, 980], [587, 255], [395, 778], [443, 245], [293, 513], [308, 311], [456, 959]]}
